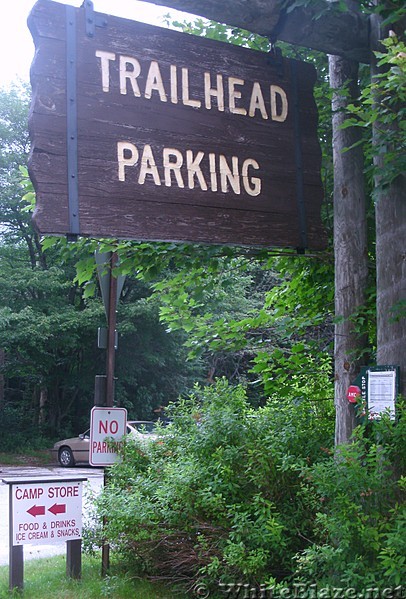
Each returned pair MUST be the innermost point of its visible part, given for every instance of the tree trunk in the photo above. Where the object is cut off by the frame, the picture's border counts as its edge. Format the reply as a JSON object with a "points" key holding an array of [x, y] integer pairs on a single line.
{"points": [[391, 276], [2, 360], [43, 399], [390, 218], [350, 243]]}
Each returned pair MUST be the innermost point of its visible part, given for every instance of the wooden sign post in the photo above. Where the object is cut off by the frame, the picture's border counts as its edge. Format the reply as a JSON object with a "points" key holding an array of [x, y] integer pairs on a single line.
{"points": [[144, 133]]}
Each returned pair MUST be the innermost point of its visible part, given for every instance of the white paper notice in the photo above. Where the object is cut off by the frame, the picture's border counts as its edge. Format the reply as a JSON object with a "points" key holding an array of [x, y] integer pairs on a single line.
{"points": [[381, 392]]}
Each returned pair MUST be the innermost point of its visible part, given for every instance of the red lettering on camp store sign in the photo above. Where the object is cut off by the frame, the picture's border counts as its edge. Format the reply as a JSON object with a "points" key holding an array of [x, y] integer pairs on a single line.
{"points": [[145, 133], [46, 512]]}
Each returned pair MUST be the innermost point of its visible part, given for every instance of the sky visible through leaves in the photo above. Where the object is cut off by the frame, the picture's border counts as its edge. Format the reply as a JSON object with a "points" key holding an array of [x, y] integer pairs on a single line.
{"points": [[17, 48]]}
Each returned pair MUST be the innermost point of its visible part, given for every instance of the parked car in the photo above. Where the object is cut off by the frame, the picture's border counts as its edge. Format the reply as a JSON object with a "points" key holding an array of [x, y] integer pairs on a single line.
{"points": [[70, 452]]}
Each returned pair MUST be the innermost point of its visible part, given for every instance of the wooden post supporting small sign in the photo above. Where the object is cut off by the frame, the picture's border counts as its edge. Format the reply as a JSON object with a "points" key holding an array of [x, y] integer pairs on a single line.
{"points": [[16, 567], [44, 511], [111, 333], [74, 559]]}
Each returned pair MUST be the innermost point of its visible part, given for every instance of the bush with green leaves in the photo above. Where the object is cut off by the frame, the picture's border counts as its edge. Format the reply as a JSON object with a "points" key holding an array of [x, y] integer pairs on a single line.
{"points": [[231, 493], [220, 495], [359, 533]]}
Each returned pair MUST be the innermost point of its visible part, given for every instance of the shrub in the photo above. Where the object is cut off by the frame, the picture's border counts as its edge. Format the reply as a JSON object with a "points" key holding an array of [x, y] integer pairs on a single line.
{"points": [[221, 494], [359, 530], [230, 494]]}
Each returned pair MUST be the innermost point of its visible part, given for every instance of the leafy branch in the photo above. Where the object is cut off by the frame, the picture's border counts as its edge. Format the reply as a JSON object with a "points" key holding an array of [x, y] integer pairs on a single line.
{"points": [[383, 103]]}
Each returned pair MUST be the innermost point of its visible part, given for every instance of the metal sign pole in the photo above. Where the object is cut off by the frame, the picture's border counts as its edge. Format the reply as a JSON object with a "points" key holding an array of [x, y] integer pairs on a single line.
{"points": [[111, 337], [105, 565], [110, 365]]}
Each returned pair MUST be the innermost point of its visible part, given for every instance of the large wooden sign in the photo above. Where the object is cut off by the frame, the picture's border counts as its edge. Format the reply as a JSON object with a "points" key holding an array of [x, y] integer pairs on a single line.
{"points": [[143, 133]]}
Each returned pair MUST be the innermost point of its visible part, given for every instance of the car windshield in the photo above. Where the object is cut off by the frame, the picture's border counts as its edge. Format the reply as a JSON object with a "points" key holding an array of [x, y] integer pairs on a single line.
{"points": [[143, 427]]}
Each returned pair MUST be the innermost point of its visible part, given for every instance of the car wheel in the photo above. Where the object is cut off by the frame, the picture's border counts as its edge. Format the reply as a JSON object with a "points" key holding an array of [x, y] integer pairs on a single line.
{"points": [[65, 457]]}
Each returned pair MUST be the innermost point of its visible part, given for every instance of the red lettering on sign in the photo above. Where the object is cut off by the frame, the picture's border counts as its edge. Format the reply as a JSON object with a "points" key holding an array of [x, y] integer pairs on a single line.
{"points": [[66, 491], [353, 393], [30, 493], [103, 447], [109, 428]]}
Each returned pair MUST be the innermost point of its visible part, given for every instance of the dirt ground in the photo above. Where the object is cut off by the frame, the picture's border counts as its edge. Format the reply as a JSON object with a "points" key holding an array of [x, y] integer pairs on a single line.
{"points": [[41, 457]]}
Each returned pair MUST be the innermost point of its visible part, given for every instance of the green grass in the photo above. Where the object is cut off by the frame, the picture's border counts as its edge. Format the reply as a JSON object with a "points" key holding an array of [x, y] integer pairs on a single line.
{"points": [[46, 579]]}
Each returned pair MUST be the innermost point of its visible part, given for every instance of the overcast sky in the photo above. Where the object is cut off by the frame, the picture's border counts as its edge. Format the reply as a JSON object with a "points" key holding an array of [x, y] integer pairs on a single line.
{"points": [[17, 48]]}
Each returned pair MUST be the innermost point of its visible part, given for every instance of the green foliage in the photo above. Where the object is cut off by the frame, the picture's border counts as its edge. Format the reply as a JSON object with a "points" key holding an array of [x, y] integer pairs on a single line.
{"points": [[300, 307], [230, 494], [43, 324], [48, 330], [383, 102], [221, 32], [220, 494], [151, 368], [212, 303], [390, 11], [360, 536], [237, 308], [47, 336], [17, 428], [14, 147], [319, 7]]}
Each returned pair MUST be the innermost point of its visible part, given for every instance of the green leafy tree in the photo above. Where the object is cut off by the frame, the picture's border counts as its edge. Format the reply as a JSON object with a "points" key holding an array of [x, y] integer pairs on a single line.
{"points": [[15, 220], [152, 368]]}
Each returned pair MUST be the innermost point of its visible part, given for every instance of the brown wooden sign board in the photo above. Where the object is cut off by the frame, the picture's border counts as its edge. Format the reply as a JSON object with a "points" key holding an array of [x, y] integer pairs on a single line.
{"points": [[139, 132]]}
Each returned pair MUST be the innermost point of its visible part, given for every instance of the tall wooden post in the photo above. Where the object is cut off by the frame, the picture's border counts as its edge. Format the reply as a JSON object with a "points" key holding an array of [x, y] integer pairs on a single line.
{"points": [[390, 220], [350, 243]]}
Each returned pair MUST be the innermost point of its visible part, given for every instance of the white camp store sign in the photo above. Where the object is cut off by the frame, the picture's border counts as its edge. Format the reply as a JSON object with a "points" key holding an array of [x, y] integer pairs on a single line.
{"points": [[44, 513]]}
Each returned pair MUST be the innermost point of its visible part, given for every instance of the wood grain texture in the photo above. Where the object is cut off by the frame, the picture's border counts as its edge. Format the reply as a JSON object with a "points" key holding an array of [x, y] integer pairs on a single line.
{"points": [[315, 26], [390, 223], [350, 246], [152, 210]]}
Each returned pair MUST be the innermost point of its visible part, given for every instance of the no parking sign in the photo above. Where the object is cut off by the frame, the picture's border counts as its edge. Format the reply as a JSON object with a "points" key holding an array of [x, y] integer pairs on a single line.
{"points": [[107, 428]]}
